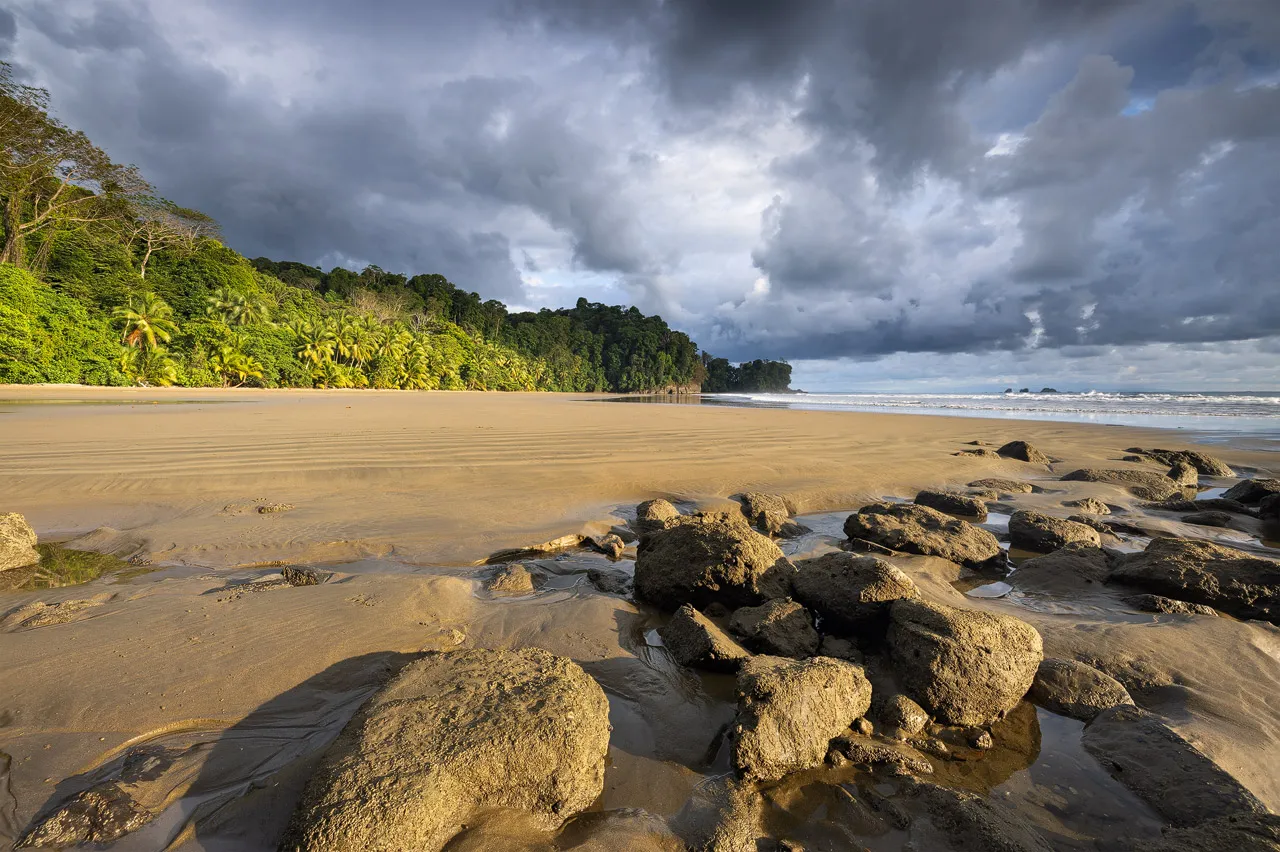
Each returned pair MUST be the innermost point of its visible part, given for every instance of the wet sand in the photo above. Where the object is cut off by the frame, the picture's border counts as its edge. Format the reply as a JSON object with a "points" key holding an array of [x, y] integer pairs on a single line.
{"points": [[398, 493]]}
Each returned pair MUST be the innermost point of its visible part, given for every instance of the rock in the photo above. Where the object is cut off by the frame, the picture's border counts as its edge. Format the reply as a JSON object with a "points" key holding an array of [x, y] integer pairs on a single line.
{"points": [[455, 732], [1204, 464], [694, 640], [1092, 523], [546, 548], [1022, 451], [771, 514], [710, 557], [964, 666], [1071, 688], [654, 515], [722, 814], [918, 529], [850, 592], [1269, 507], [953, 504], [1090, 505], [1252, 491], [514, 579], [790, 710], [1133, 458], [869, 753], [625, 533], [298, 575], [609, 544], [862, 725], [955, 821], [1162, 768], [1043, 534], [840, 649], [275, 508], [1211, 504], [611, 581], [1161, 604], [1140, 483], [1237, 833], [1207, 519], [980, 452], [1239, 583], [17, 542], [1077, 560], [101, 814], [780, 627], [899, 711], [984, 494], [1184, 475], [982, 740], [1004, 486]]}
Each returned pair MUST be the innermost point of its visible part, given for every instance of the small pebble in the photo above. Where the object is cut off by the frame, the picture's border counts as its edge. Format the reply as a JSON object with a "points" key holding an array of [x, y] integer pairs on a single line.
{"points": [[982, 740]]}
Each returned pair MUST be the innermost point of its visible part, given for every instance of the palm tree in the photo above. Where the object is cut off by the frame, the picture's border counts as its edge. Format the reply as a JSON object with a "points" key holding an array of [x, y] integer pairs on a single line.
{"points": [[235, 308], [235, 366], [147, 321], [149, 366], [314, 342]]}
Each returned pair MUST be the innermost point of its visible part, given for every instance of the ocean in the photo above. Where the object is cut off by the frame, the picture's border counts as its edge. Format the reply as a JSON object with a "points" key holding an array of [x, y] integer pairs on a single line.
{"points": [[1228, 415]]}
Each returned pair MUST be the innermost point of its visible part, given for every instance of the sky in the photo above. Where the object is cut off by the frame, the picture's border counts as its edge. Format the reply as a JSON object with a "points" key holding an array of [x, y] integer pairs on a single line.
{"points": [[890, 194]]}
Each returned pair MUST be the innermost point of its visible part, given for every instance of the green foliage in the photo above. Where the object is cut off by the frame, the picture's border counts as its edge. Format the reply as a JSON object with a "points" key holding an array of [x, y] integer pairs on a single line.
{"points": [[46, 336], [748, 377]]}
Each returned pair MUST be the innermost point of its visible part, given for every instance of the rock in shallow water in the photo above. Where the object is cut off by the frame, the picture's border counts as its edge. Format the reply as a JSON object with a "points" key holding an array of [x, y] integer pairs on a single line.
{"points": [[1161, 604], [17, 542], [790, 710], [909, 528], [611, 581], [964, 666], [514, 579], [780, 627], [1071, 688], [953, 503], [851, 592], [771, 514], [1239, 583], [692, 639], [1043, 534], [1252, 491], [454, 732], [710, 557], [1141, 483]]}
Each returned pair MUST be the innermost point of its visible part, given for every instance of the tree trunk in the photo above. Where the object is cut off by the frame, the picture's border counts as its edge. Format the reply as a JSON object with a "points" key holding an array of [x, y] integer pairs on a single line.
{"points": [[11, 218], [142, 269]]}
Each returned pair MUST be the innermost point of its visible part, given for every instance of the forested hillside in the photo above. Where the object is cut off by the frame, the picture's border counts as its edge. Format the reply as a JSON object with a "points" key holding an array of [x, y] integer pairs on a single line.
{"points": [[104, 282]]}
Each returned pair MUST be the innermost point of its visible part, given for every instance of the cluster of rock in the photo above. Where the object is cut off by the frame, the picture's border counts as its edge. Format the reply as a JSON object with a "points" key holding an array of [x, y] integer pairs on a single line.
{"points": [[17, 542]]}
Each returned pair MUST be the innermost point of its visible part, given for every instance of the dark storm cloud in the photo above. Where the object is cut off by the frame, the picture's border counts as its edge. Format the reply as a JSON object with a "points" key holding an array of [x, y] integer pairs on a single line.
{"points": [[804, 179]]}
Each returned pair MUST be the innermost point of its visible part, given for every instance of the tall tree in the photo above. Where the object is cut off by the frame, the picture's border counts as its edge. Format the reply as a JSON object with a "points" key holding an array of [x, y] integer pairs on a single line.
{"points": [[159, 224]]}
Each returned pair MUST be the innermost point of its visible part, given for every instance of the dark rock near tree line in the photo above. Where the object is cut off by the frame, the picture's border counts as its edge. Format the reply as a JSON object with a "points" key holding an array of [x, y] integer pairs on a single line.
{"points": [[851, 593], [1201, 572], [1042, 533], [1071, 688], [964, 666], [694, 640], [780, 627], [710, 557], [953, 504], [1169, 773], [790, 710], [909, 528], [452, 733], [1022, 451]]}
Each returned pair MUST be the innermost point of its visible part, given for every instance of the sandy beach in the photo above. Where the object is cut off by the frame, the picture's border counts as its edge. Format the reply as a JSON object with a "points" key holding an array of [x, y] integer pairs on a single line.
{"points": [[401, 493]]}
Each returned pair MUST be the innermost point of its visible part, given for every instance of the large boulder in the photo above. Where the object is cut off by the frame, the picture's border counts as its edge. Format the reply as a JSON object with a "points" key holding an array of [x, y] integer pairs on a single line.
{"points": [[17, 542], [710, 557], [771, 514], [694, 640], [654, 515], [1022, 451], [953, 503], [1269, 507], [1174, 777], [780, 627], [1207, 519], [909, 528], [1042, 533], [1239, 583], [851, 593], [455, 732], [1078, 561], [1204, 464], [964, 666], [1251, 491], [1140, 483], [1184, 475], [790, 710], [1071, 688]]}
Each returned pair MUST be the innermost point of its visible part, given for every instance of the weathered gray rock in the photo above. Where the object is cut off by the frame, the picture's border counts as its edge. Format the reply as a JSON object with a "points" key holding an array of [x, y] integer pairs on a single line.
{"points": [[899, 711], [1251, 491], [910, 528], [1207, 519], [953, 504], [1169, 773], [710, 557], [1167, 606], [694, 640], [780, 627], [1204, 464], [1184, 475], [964, 666], [771, 514], [454, 732], [654, 515], [611, 581], [1022, 451], [1004, 486], [1043, 534], [1089, 505], [17, 542], [851, 593], [790, 710], [1076, 561], [514, 579], [1239, 583], [1071, 688], [1141, 483]]}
